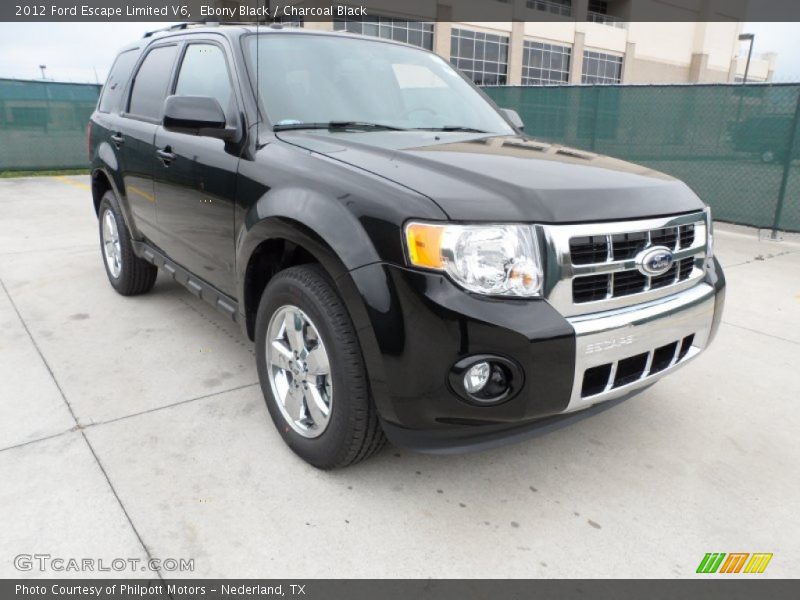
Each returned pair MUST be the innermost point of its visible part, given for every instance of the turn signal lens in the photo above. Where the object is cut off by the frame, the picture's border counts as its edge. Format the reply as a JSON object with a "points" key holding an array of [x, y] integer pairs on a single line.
{"points": [[425, 245]]}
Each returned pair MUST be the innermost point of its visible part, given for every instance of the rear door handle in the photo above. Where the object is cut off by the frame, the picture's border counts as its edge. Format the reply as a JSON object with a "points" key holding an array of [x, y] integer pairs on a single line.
{"points": [[118, 139], [166, 155]]}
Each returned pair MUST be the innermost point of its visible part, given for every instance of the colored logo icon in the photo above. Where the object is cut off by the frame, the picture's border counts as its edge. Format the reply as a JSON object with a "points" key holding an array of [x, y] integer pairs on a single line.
{"points": [[735, 562]]}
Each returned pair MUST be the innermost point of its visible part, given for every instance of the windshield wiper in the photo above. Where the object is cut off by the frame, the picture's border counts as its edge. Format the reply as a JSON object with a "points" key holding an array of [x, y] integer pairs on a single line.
{"points": [[452, 128], [338, 126]]}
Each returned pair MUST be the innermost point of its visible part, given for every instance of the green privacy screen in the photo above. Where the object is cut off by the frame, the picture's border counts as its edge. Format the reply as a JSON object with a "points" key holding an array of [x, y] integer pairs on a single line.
{"points": [[43, 124], [735, 145]]}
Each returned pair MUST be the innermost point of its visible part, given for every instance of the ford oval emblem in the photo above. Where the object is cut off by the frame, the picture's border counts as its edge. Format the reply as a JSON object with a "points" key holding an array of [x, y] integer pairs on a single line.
{"points": [[654, 261]]}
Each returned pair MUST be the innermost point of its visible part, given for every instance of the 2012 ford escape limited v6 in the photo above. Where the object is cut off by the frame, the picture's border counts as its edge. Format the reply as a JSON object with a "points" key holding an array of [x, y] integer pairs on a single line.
{"points": [[409, 264]]}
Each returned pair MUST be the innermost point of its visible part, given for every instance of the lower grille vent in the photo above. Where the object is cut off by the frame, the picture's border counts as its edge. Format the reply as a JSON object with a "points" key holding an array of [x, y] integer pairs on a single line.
{"points": [[634, 368]]}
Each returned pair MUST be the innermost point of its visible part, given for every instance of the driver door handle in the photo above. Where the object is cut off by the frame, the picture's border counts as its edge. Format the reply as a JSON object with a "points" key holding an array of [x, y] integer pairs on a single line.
{"points": [[166, 155]]}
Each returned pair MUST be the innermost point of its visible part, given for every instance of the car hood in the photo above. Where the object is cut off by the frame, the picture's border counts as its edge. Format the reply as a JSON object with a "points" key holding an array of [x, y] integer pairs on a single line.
{"points": [[479, 177]]}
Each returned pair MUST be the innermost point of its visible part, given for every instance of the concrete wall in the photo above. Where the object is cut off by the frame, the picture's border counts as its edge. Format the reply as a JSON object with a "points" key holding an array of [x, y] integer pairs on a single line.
{"points": [[762, 67], [643, 70]]}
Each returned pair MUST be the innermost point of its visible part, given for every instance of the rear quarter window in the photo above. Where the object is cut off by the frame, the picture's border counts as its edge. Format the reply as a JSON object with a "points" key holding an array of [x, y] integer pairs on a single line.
{"points": [[117, 78]]}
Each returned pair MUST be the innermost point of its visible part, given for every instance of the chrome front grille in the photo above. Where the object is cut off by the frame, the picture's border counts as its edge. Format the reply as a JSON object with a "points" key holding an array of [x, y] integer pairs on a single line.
{"points": [[586, 250], [591, 288], [593, 267]]}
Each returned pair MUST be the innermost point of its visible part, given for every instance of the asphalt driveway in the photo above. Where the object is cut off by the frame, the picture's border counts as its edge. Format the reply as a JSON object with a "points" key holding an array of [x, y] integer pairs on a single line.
{"points": [[134, 428]]}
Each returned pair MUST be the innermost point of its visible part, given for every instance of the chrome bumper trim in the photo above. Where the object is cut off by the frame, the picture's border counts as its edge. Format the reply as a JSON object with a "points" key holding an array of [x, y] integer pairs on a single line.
{"points": [[615, 335]]}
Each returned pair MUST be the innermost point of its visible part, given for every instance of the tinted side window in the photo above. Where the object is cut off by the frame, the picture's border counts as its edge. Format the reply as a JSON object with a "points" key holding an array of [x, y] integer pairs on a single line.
{"points": [[151, 81], [112, 91], [205, 73]]}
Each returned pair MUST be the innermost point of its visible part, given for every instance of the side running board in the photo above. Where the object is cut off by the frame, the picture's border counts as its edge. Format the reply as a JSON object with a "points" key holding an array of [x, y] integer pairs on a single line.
{"points": [[195, 285]]}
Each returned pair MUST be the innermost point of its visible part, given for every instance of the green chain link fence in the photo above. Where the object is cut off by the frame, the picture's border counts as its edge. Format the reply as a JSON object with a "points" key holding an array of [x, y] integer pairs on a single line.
{"points": [[735, 145], [43, 124]]}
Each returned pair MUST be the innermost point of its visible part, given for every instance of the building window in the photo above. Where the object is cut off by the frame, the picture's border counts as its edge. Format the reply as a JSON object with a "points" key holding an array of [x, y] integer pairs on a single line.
{"points": [[289, 21], [598, 13], [545, 64], [598, 6], [601, 68], [416, 33], [483, 57], [556, 7]]}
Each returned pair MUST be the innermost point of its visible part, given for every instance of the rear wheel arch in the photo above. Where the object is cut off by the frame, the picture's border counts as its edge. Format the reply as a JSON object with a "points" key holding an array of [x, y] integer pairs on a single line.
{"points": [[101, 183], [105, 180]]}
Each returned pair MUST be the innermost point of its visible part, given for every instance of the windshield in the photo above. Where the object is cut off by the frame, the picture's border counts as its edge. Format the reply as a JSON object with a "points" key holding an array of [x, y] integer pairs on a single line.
{"points": [[315, 79]]}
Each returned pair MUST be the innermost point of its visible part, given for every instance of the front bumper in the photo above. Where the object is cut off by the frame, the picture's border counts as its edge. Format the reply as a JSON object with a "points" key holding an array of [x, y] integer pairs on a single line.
{"points": [[423, 324], [681, 324]]}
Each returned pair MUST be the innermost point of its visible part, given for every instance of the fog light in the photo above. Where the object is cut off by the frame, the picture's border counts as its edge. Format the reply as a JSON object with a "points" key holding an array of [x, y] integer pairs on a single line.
{"points": [[486, 379], [477, 377]]}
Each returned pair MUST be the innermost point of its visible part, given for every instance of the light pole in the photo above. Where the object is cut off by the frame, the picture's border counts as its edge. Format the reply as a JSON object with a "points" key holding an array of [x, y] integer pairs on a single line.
{"points": [[43, 67], [751, 38]]}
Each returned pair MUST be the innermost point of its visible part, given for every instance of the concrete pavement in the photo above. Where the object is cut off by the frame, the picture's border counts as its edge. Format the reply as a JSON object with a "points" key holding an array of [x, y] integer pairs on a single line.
{"points": [[134, 428]]}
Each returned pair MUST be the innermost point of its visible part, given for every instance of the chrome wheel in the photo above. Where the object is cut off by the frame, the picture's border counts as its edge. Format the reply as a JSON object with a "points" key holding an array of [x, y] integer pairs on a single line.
{"points": [[299, 371], [112, 251]]}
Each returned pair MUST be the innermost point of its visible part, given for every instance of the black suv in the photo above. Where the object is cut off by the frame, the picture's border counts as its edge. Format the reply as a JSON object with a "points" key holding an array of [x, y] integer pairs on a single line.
{"points": [[407, 261]]}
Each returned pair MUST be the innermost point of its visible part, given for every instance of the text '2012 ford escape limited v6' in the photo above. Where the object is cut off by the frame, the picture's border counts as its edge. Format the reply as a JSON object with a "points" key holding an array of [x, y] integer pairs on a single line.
{"points": [[408, 263]]}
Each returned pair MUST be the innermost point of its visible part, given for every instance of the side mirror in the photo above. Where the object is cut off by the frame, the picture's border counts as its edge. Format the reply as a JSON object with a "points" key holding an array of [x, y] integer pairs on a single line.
{"points": [[197, 115], [513, 117]]}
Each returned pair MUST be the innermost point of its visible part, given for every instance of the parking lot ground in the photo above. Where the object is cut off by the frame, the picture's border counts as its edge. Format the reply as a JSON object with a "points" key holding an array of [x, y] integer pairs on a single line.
{"points": [[135, 427]]}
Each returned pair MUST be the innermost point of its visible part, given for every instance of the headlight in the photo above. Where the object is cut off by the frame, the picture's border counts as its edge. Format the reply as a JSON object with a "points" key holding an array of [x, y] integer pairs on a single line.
{"points": [[709, 233], [497, 260]]}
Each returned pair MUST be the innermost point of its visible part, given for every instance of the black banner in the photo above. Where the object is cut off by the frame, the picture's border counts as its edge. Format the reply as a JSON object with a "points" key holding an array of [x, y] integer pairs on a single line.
{"points": [[427, 10], [733, 588]]}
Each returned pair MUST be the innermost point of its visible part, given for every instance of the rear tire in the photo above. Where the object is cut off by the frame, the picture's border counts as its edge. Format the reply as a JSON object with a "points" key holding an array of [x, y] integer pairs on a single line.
{"points": [[349, 431], [127, 273]]}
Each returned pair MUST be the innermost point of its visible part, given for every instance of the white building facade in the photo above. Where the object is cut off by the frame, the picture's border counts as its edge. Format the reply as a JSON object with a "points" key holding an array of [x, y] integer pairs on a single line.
{"points": [[575, 41]]}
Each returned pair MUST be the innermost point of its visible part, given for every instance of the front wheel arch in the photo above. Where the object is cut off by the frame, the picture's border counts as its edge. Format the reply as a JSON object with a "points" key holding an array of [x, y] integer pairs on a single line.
{"points": [[283, 243], [286, 243]]}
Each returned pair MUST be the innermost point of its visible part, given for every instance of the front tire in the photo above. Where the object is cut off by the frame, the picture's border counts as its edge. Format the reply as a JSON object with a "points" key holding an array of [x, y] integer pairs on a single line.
{"points": [[127, 273], [312, 371]]}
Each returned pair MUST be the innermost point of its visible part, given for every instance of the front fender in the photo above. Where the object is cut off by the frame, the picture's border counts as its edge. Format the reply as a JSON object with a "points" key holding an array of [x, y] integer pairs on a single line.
{"points": [[319, 216], [290, 230], [344, 216]]}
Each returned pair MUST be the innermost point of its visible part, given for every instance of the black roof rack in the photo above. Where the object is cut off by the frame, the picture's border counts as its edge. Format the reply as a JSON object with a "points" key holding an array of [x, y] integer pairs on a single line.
{"points": [[186, 25], [181, 26], [177, 27]]}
